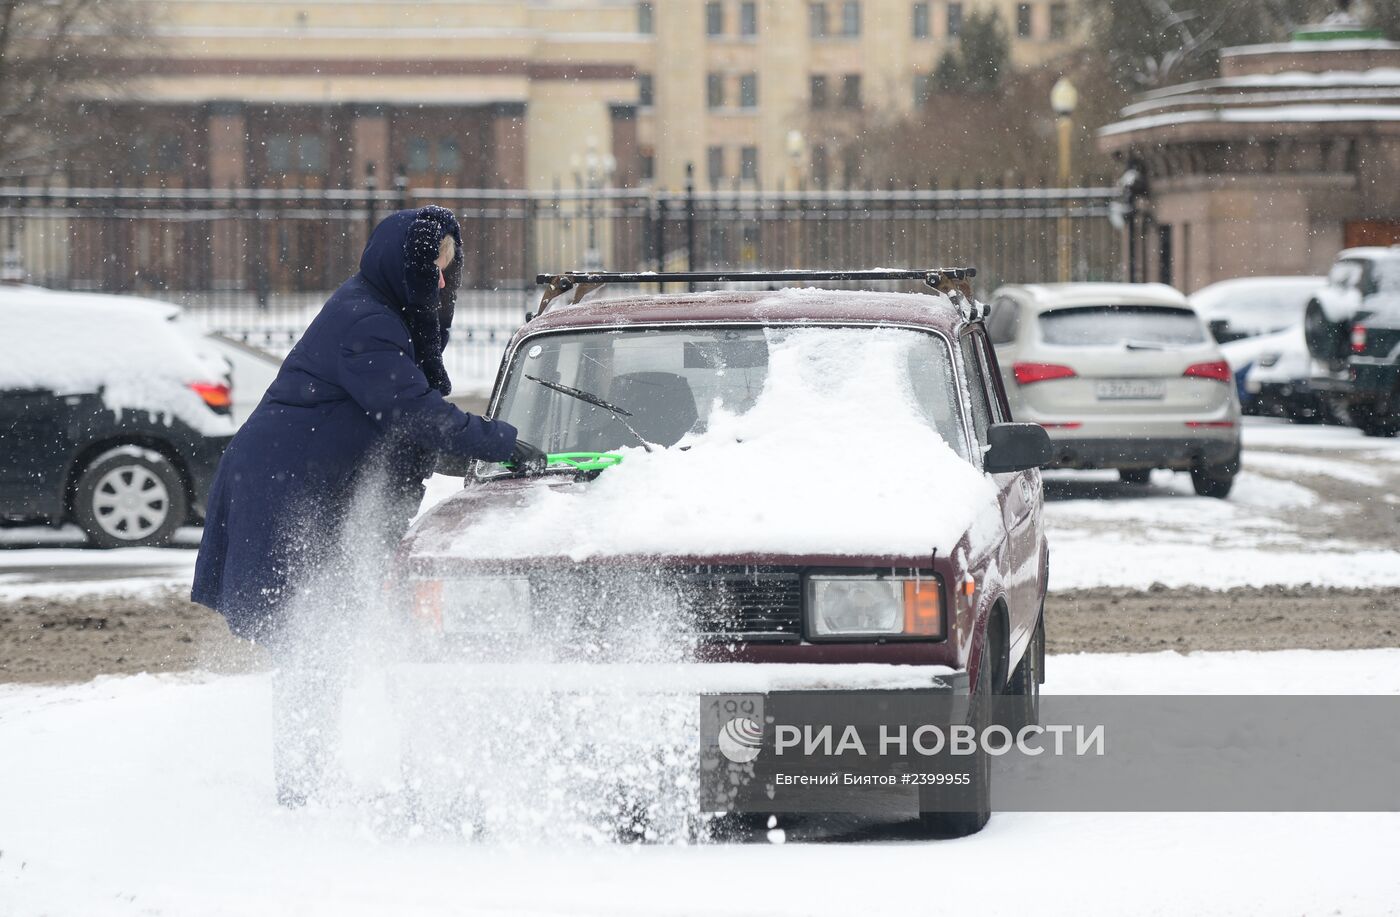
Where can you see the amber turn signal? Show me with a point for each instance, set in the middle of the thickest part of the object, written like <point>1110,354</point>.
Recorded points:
<point>923,608</point>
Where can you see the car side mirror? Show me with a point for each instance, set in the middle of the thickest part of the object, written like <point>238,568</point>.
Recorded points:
<point>1016,447</point>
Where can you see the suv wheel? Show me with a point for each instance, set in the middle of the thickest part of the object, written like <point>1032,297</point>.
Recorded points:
<point>978,799</point>
<point>1024,687</point>
<point>1371,423</point>
<point>129,497</point>
<point>1136,476</point>
<point>1212,480</point>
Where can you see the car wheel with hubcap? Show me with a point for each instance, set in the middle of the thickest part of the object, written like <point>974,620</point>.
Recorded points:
<point>129,497</point>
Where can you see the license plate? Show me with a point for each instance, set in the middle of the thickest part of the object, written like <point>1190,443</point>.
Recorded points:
<point>718,711</point>
<point>1130,390</point>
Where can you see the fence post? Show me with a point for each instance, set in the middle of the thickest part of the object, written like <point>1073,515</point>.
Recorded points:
<point>401,186</point>
<point>260,278</point>
<point>690,219</point>
<point>658,238</point>
<point>527,247</point>
<point>371,186</point>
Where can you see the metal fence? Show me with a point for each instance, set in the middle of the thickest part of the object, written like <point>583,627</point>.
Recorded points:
<point>256,263</point>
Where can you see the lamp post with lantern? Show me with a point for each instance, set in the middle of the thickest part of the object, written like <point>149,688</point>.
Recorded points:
<point>1064,98</point>
<point>593,173</point>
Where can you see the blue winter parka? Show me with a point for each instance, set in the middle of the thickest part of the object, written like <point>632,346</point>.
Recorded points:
<point>358,402</point>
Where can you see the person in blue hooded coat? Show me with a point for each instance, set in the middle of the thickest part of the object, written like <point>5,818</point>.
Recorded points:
<point>357,408</point>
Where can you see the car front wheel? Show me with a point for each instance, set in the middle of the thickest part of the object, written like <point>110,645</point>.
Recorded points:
<point>129,497</point>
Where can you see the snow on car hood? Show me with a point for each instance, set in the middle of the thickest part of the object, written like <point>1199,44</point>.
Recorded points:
<point>130,352</point>
<point>833,458</point>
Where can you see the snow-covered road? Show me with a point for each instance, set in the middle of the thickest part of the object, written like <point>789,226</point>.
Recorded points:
<point>152,796</point>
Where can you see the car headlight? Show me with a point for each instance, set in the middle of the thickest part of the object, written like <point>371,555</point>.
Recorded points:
<point>476,604</point>
<point>874,606</point>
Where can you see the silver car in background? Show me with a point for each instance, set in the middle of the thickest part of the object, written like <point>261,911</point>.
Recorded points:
<point>1122,376</point>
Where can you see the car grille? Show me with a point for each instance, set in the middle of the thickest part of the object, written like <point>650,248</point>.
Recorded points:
<point>754,604</point>
<point>710,603</point>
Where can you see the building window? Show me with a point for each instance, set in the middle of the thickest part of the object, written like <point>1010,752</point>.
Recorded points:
<point>416,154</point>
<point>311,153</point>
<point>748,163</point>
<point>714,18</point>
<point>816,20</point>
<point>646,19</point>
<point>850,166</point>
<point>714,161</point>
<point>1059,21</point>
<point>748,19</point>
<point>922,22</point>
<point>817,91</point>
<point>646,90</point>
<point>648,164</point>
<point>748,90</point>
<point>168,153</point>
<point>449,158</point>
<point>923,89</point>
<point>714,90</point>
<point>955,19</point>
<point>850,91</point>
<point>850,18</point>
<point>1023,20</point>
<point>820,168</point>
<point>279,153</point>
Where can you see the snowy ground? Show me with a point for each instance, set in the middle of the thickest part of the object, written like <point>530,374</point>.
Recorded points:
<point>152,796</point>
<point>1315,504</point>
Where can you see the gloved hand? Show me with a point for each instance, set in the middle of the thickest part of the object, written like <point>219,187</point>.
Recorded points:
<point>526,459</point>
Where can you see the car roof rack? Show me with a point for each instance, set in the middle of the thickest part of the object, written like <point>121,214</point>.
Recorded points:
<point>945,280</point>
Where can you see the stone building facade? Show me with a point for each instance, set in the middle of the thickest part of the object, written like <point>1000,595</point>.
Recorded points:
<point>1271,169</point>
<point>512,93</point>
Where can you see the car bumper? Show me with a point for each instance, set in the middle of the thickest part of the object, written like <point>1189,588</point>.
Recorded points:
<point>1146,452</point>
<point>1365,380</point>
<point>202,461</point>
<point>679,679</point>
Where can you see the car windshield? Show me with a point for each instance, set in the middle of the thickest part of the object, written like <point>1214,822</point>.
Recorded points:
<point>603,390</point>
<point>1109,326</point>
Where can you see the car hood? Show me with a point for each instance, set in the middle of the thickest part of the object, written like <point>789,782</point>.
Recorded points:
<point>653,508</point>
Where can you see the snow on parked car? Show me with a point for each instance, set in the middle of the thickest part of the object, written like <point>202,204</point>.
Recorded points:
<point>114,416</point>
<point>1251,306</point>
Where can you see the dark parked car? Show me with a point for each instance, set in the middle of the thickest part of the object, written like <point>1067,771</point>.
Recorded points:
<point>1353,329</point>
<point>112,416</point>
<point>812,476</point>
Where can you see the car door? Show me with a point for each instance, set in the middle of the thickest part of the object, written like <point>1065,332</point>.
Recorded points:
<point>34,446</point>
<point>1019,492</point>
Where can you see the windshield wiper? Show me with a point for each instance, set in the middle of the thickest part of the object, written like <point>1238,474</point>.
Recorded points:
<point>594,400</point>
<point>1144,345</point>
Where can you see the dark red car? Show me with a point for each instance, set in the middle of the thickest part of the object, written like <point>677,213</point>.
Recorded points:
<point>821,479</point>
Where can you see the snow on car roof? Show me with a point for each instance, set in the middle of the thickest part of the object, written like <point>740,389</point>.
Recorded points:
<point>126,350</point>
<point>24,295</point>
<point>1255,288</point>
<point>1370,251</point>
<point>1057,295</point>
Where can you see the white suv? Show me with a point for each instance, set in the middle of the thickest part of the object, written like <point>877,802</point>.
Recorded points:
<point>1122,376</point>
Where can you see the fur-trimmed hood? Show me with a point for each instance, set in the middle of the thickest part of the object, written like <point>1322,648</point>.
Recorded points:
<point>399,263</point>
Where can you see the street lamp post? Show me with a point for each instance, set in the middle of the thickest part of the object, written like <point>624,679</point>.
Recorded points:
<point>1064,98</point>
<point>593,173</point>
